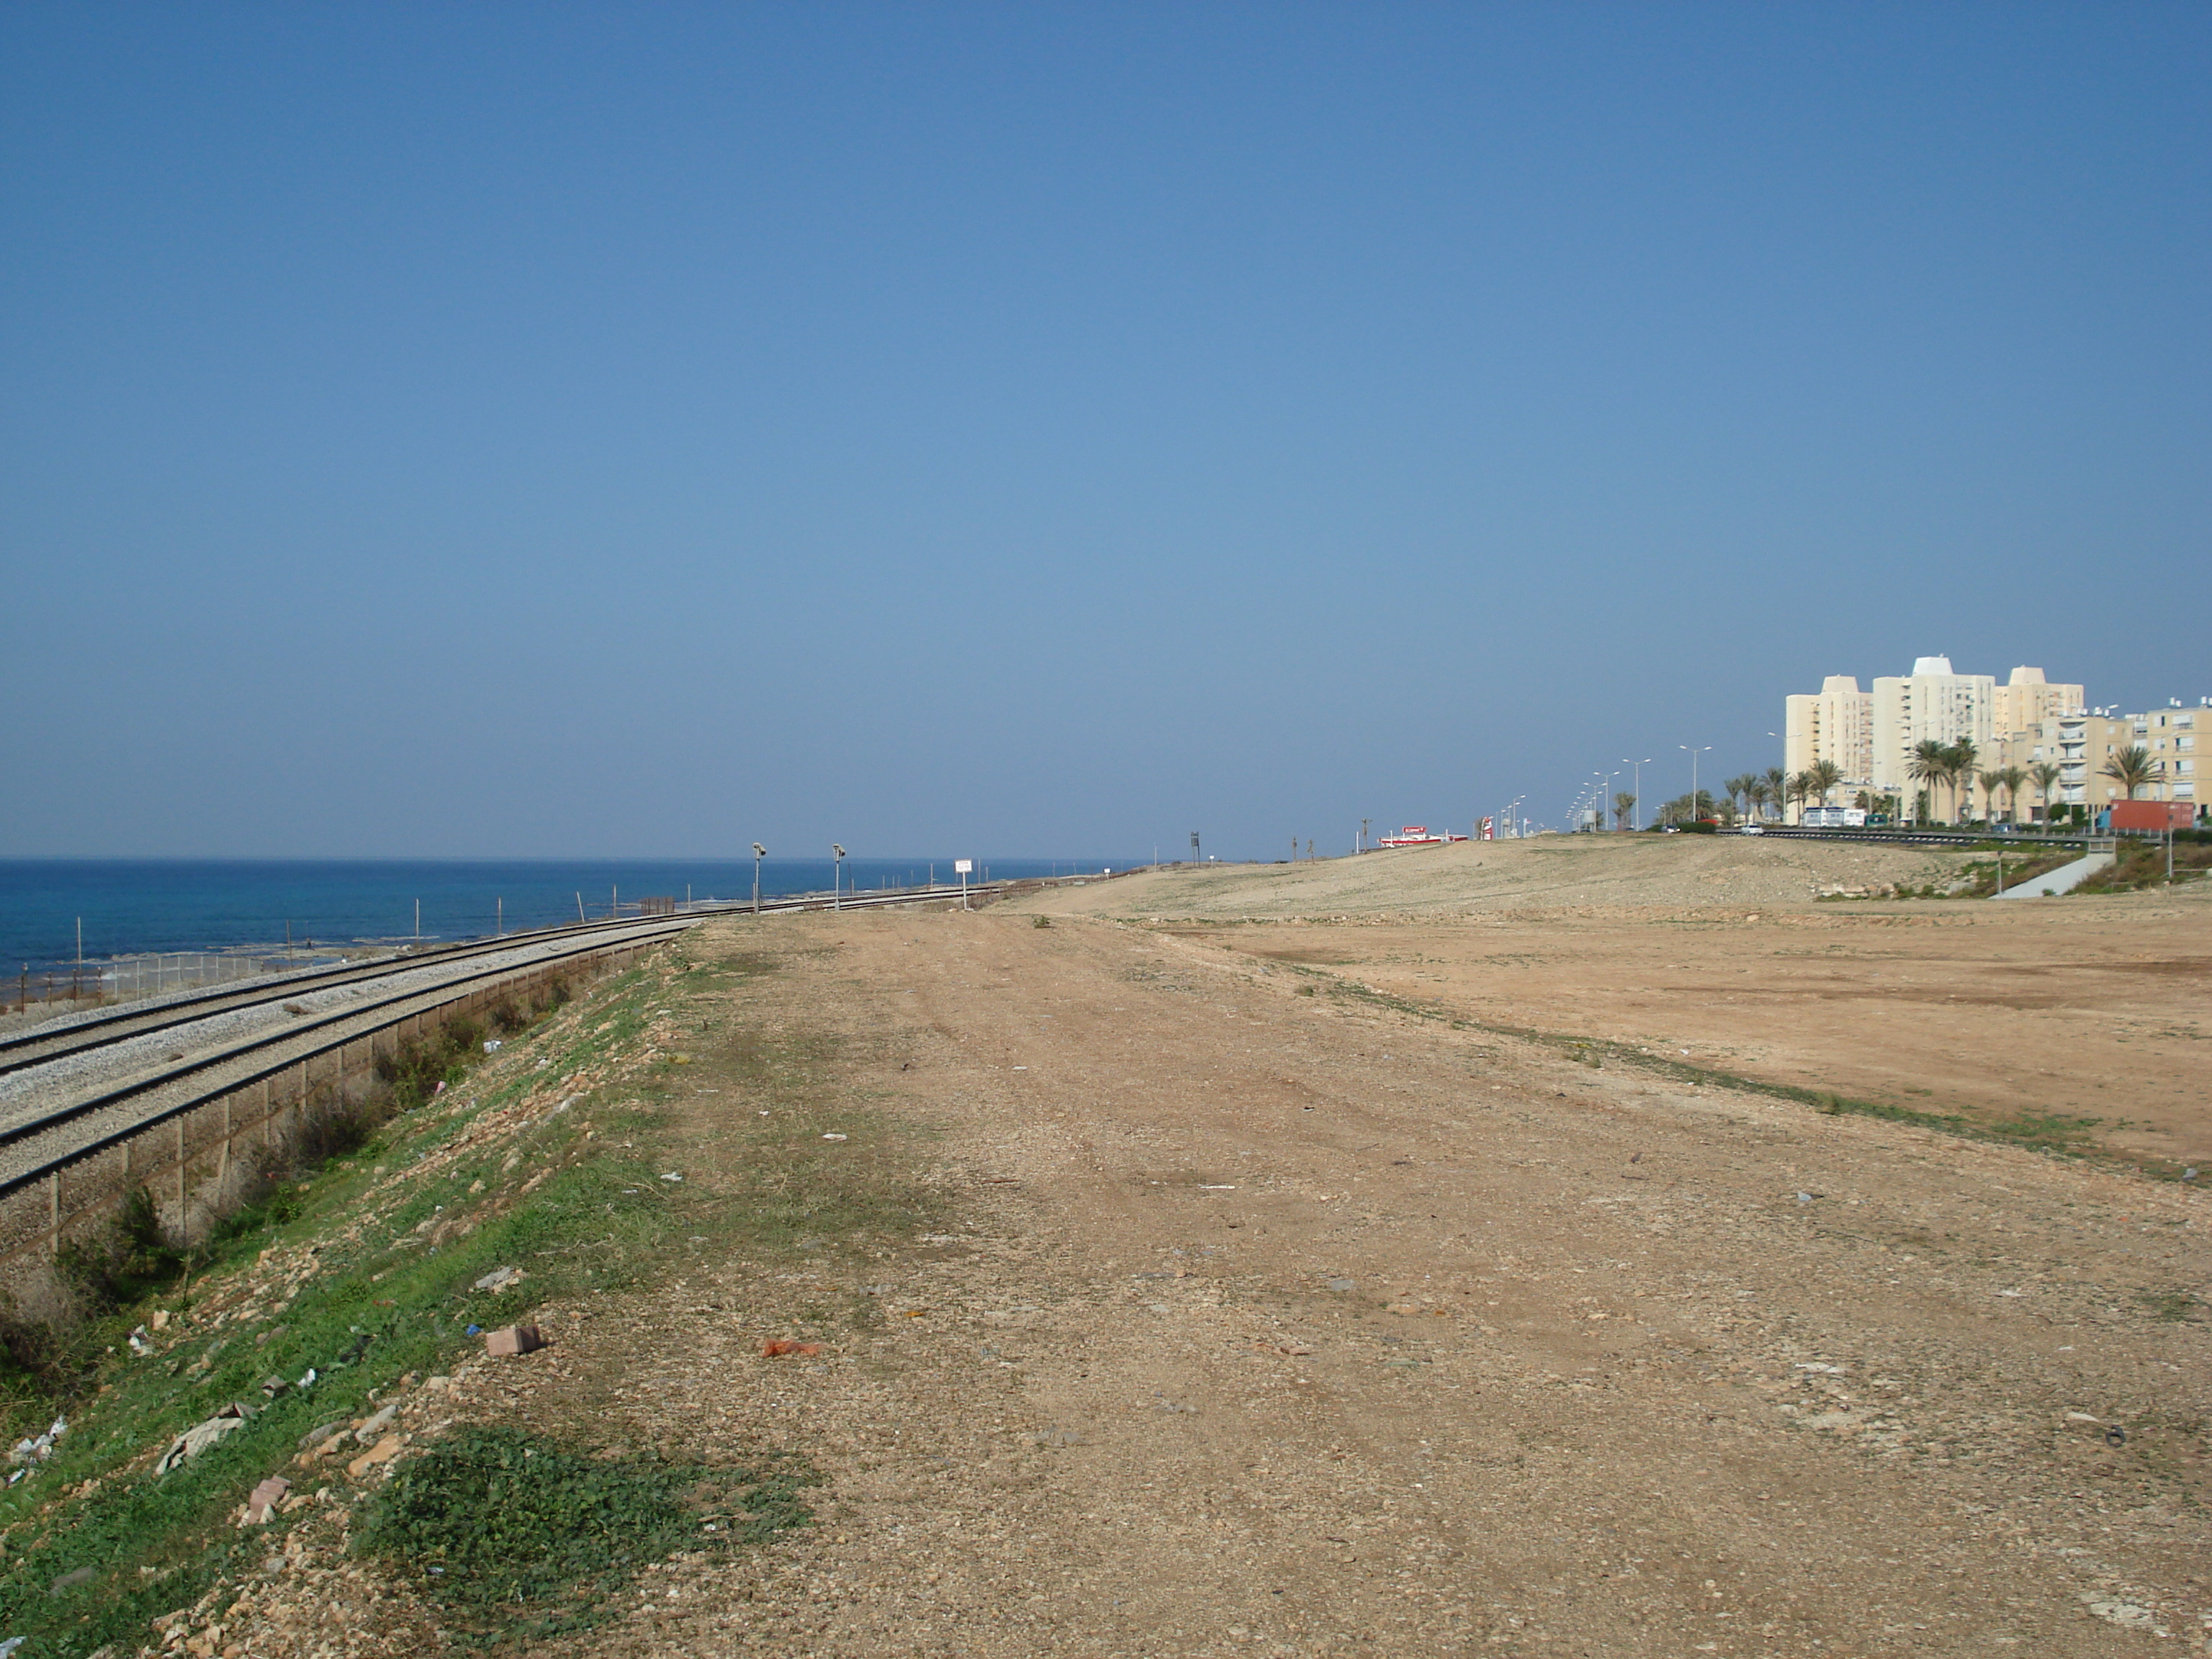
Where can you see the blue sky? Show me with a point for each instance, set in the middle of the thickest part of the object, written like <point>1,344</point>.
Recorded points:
<point>633,430</point>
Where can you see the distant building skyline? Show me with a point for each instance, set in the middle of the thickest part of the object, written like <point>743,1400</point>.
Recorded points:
<point>1871,736</point>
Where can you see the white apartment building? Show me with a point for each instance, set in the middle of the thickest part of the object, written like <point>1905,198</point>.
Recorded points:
<point>2025,702</point>
<point>1870,735</point>
<point>1835,723</point>
<point>1932,701</point>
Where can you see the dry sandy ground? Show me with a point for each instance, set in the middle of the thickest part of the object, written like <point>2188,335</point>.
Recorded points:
<point>1263,1322</point>
<point>1248,1320</point>
<point>2092,1008</point>
<point>1546,873</point>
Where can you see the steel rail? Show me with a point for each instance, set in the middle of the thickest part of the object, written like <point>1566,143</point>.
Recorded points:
<point>222,1075</point>
<point>210,1076</point>
<point>43,1044</point>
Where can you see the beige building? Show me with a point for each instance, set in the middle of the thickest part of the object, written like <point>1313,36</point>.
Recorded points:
<point>2080,744</point>
<point>1835,723</point>
<point>2023,703</point>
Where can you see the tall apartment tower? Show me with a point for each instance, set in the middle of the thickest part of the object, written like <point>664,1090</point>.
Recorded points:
<point>2025,702</point>
<point>1932,701</point>
<point>1835,723</point>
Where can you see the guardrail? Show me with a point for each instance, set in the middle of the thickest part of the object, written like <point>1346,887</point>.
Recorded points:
<point>1935,837</point>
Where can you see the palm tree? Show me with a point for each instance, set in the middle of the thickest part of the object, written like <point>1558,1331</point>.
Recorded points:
<point>1801,786</point>
<point>1623,804</point>
<point>1961,755</point>
<point>1738,787</point>
<point>1757,792</point>
<point>1930,764</point>
<point>1826,776</point>
<point>2044,774</point>
<point>1992,780</point>
<point>2012,777</point>
<point>2131,769</point>
<point>1778,787</point>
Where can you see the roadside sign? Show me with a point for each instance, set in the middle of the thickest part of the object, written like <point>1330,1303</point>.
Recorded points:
<point>962,866</point>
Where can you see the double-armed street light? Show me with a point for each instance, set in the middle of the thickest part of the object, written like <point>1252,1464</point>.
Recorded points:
<point>759,853</point>
<point>1638,785</point>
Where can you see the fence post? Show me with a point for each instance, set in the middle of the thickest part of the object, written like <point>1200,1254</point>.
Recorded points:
<point>183,1221</point>
<point>54,1216</point>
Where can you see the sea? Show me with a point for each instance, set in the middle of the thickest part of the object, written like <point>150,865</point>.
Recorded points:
<point>129,907</point>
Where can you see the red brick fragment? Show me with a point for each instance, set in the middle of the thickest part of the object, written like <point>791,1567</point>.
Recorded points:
<point>516,1339</point>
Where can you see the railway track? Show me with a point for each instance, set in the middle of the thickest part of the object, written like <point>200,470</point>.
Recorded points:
<point>79,1088</point>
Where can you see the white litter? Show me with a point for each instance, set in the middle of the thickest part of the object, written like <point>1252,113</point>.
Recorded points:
<point>833,1137</point>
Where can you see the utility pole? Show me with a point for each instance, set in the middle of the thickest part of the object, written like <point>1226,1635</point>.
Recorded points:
<point>760,853</point>
<point>1194,847</point>
<point>1638,785</point>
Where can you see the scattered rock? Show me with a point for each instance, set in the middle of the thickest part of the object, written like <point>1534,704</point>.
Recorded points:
<point>262,1504</point>
<point>381,1453</point>
<point>376,1426</point>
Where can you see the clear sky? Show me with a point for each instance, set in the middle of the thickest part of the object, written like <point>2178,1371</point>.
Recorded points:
<point>533,430</point>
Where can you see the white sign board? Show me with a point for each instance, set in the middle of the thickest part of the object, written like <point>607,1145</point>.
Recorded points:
<point>963,866</point>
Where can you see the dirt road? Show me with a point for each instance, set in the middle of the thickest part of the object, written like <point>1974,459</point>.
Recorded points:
<point>1244,1320</point>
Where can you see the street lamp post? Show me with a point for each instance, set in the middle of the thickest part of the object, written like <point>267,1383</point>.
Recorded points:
<point>759,853</point>
<point>837,878</point>
<point>1694,753</point>
<point>1638,785</point>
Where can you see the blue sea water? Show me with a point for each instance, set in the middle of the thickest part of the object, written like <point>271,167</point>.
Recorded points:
<point>129,906</point>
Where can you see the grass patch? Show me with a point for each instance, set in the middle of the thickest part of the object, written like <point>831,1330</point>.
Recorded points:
<point>2169,1307</point>
<point>520,1539</point>
<point>2141,864</point>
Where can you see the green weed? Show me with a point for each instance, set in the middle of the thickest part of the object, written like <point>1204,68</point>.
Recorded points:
<point>521,1539</point>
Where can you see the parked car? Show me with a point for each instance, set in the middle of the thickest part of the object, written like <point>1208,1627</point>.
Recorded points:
<point>1752,829</point>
